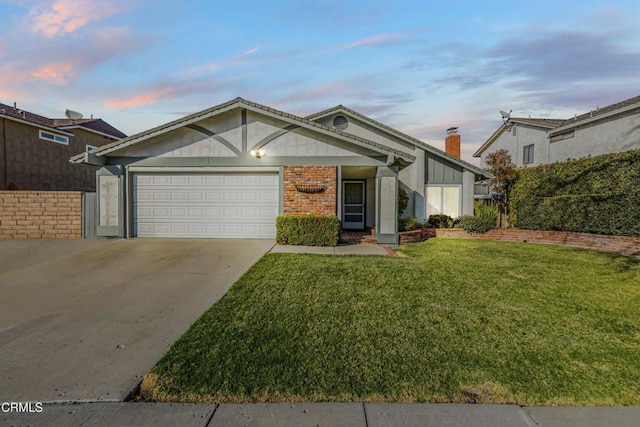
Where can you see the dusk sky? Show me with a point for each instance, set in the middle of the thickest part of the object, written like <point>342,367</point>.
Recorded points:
<point>418,66</point>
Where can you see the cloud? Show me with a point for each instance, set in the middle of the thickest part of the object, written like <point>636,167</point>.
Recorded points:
<point>59,73</point>
<point>61,63</point>
<point>377,40</point>
<point>66,16</point>
<point>167,90</point>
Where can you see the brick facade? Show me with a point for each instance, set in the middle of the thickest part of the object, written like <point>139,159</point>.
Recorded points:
<point>623,245</point>
<point>40,214</point>
<point>298,179</point>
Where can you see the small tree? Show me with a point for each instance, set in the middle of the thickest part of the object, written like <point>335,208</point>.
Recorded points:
<point>504,175</point>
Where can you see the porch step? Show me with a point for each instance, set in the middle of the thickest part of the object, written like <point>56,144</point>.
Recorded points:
<point>358,238</point>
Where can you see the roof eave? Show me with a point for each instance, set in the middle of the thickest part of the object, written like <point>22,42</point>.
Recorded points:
<point>596,118</point>
<point>407,138</point>
<point>39,126</point>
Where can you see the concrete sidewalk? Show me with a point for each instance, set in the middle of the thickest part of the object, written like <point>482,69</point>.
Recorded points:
<point>338,250</point>
<point>320,414</point>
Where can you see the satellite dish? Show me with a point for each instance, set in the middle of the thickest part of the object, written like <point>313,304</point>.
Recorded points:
<point>72,115</point>
<point>505,115</point>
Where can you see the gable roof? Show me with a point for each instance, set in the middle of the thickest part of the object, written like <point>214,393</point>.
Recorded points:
<point>59,125</point>
<point>553,126</point>
<point>403,136</point>
<point>231,105</point>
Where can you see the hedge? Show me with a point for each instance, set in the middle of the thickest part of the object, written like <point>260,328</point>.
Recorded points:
<point>308,230</point>
<point>593,195</point>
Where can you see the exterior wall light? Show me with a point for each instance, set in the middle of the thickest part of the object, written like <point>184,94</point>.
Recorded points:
<point>258,153</point>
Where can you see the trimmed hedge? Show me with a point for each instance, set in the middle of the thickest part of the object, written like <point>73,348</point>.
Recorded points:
<point>593,195</point>
<point>308,230</point>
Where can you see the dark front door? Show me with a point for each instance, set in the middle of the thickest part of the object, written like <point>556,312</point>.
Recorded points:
<point>353,205</point>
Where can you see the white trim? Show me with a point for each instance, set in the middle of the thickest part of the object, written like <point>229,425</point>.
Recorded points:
<point>460,198</point>
<point>168,169</point>
<point>54,134</point>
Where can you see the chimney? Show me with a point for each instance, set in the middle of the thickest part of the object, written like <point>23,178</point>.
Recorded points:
<point>452,142</point>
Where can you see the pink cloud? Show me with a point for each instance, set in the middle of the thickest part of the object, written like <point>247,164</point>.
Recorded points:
<point>140,99</point>
<point>66,16</point>
<point>59,73</point>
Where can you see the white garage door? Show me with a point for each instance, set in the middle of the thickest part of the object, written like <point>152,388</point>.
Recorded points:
<point>205,205</point>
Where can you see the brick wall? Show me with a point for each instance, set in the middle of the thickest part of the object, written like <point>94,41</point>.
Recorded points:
<point>297,202</point>
<point>615,244</point>
<point>40,214</point>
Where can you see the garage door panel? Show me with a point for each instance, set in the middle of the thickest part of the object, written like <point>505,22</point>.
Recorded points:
<point>218,205</point>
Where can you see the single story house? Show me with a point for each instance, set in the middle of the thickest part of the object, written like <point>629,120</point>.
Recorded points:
<point>538,141</point>
<point>230,170</point>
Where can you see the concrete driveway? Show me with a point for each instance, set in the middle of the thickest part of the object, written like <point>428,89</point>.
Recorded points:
<point>84,320</point>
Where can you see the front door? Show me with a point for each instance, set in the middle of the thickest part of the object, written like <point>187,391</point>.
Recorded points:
<point>353,205</point>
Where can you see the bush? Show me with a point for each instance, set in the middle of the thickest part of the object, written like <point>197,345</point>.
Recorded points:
<point>591,195</point>
<point>308,230</point>
<point>408,223</point>
<point>473,224</point>
<point>403,201</point>
<point>440,221</point>
<point>487,212</point>
<point>485,218</point>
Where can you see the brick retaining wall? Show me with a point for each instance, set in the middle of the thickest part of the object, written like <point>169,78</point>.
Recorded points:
<point>40,214</point>
<point>623,245</point>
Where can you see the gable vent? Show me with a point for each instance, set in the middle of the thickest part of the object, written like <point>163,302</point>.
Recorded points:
<point>340,122</point>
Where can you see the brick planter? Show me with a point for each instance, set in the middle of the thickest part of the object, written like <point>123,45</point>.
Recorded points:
<point>623,245</point>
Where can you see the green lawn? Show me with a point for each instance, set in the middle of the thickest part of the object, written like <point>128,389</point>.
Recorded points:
<point>520,323</point>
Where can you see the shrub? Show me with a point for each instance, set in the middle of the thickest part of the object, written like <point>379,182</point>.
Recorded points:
<point>403,201</point>
<point>408,223</point>
<point>440,221</point>
<point>308,230</point>
<point>487,212</point>
<point>591,195</point>
<point>485,218</point>
<point>473,224</point>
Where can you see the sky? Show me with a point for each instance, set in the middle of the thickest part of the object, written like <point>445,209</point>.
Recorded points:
<point>418,66</point>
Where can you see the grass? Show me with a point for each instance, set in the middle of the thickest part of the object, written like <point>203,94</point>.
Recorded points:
<point>503,322</point>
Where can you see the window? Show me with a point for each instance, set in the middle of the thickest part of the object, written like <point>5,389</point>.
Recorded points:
<point>90,147</point>
<point>527,155</point>
<point>340,122</point>
<point>54,137</point>
<point>562,136</point>
<point>443,199</point>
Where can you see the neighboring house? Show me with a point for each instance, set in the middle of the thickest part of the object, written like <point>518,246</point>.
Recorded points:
<point>532,142</point>
<point>35,150</point>
<point>230,170</point>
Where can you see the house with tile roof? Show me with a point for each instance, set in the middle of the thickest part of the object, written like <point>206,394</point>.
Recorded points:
<point>230,170</point>
<point>533,141</point>
<point>35,150</point>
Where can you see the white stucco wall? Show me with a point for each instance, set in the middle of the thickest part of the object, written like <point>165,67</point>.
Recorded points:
<point>605,137</point>
<point>524,135</point>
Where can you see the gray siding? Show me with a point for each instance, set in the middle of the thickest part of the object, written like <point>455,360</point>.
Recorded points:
<point>442,171</point>
<point>615,135</point>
